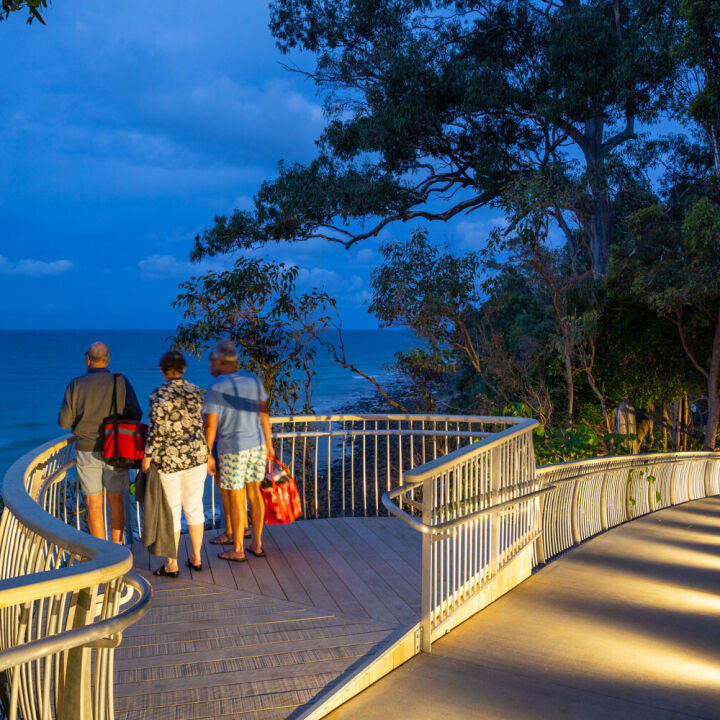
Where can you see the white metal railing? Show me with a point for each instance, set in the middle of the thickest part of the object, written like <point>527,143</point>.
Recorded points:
<point>589,496</point>
<point>479,507</point>
<point>65,596</point>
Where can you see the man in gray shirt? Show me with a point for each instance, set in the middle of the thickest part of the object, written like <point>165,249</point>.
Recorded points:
<point>87,402</point>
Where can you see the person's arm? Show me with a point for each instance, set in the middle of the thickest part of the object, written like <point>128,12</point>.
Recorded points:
<point>132,406</point>
<point>267,430</point>
<point>210,422</point>
<point>66,416</point>
<point>152,439</point>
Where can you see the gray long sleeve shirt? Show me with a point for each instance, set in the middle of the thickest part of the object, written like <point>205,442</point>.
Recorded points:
<point>88,401</point>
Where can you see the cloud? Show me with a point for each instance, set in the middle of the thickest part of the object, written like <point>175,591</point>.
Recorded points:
<point>33,268</point>
<point>365,256</point>
<point>474,235</point>
<point>164,267</point>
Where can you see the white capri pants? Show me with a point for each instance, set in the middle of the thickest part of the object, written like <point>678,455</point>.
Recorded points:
<point>184,488</point>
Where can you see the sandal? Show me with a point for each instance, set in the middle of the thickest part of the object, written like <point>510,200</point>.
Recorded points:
<point>259,553</point>
<point>196,568</point>
<point>218,540</point>
<point>162,572</point>
<point>227,556</point>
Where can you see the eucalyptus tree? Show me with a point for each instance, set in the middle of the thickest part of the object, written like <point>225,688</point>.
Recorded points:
<point>34,8</point>
<point>437,108</point>
<point>256,305</point>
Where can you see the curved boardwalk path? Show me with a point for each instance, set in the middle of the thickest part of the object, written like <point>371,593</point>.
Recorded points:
<point>264,639</point>
<point>626,626</point>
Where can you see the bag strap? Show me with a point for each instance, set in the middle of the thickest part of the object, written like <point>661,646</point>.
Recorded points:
<point>113,407</point>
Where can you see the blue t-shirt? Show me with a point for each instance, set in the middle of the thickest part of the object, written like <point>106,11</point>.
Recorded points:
<point>236,400</point>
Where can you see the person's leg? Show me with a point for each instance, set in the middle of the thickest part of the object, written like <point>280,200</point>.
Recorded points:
<point>95,519</point>
<point>254,473</point>
<point>237,500</point>
<point>171,483</point>
<point>257,512</point>
<point>89,468</point>
<point>192,484</point>
<point>116,483</point>
<point>225,500</point>
<point>116,501</point>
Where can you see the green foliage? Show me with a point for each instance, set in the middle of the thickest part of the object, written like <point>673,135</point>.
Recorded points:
<point>35,8</point>
<point>477,104</point>
<point>256,305</point>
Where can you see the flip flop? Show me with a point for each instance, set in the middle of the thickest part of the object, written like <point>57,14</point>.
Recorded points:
<point>196,568</point>
<point>162,572</point>
<point>218,541</point>
<point>230,558</point>
<point>256,554</point>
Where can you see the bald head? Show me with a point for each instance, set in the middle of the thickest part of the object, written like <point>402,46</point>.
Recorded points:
<point>97,355</point>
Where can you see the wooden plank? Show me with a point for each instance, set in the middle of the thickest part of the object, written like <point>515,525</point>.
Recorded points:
<point>381,540</point>
<point>264,577</point>
<point>219,569</point>
<point>371,603</point>
<point>141,557</point>
<point>382,591</point>
<point>382,557</point>
<point>263,645</point>
<point>283,674</point>
<point>209,693</point>
<point>318,631</point>
<point>284,573</point>
<point>406,539</point>
<point>331,581</point>
<point>319,596</point>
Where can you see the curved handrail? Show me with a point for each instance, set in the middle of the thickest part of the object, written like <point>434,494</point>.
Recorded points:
<point>106,561</point>
<point>86,635</point>
<point>444,527</point>
<point>60,597</point>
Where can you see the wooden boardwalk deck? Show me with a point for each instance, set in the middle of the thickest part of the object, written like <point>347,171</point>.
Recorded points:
<point>263,639</point>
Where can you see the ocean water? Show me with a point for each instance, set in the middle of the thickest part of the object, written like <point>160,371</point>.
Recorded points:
<point>36,365</point>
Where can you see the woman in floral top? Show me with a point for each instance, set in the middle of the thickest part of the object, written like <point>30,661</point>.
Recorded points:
<point>176,444</point>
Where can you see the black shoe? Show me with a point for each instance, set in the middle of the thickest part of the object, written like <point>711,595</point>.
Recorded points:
<point>162,572</point>
<point>196,568</point>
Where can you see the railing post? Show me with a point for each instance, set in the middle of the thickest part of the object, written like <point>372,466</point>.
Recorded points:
<point>427,564</point>
<point>74,702</point>
<point>603,502</point>
<point>574,520</point>
<point>690,480</point>
<point>672,483</point>
<point>494,517</point>
<point>651,492</point>
<point>539,543</point>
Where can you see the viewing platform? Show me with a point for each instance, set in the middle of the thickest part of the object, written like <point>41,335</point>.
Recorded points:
<point>412,525</point>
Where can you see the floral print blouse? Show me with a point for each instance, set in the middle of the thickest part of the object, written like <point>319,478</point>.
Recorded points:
<point>176,440</point>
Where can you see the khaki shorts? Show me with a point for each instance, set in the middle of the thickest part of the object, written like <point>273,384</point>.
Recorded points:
<point>95,474</point>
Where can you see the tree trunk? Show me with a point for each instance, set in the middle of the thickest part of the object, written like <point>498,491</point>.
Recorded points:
<point>569,380</point>
<point>712,391</point>
<point>681,423</point>
<point>600,215</point>
<point>645,428</point>
<point>626,423</point>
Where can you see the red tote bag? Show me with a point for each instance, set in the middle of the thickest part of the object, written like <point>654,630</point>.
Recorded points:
<point>280,495</point>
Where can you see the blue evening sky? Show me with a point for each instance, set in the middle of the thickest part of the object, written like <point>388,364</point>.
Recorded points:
<point>126,128</point>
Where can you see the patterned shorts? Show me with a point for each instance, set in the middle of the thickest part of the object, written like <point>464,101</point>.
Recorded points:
<point>246,466</point>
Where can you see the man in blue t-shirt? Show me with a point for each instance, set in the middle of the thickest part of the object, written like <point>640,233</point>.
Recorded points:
<point>238,425</point>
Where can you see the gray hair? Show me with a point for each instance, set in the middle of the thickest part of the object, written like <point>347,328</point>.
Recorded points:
<point>226,353</point>
<point>99,353</point>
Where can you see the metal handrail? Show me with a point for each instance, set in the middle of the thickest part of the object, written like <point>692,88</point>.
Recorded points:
<point>84,636</point>
<point>444,527</point>
<point>56,580</point>
<point>106,561</point>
